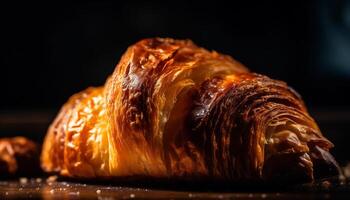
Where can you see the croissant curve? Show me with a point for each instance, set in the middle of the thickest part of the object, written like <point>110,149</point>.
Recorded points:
<point>174,110</point>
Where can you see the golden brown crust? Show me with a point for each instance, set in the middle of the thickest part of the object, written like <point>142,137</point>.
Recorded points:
<point>73,138</point>
<point>175,110</point>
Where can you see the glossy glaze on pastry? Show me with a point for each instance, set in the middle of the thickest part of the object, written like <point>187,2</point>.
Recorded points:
<point>174,110</point>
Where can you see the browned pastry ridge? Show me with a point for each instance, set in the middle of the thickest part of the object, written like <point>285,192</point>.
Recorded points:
<point>18,156</point>
<point>174,110</point>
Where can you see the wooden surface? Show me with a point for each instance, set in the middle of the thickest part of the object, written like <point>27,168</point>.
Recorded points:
<point>39,188</point>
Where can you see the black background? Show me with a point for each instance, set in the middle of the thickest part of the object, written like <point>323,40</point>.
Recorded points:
<point>50,51</point>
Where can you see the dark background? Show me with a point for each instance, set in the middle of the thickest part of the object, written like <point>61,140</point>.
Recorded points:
<point>51,51</point>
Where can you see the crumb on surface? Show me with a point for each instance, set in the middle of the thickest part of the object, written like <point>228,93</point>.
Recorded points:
<point>23,180</point>
<point>51,179</point>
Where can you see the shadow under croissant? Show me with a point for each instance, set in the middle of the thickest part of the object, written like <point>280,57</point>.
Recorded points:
<point>209,185</point>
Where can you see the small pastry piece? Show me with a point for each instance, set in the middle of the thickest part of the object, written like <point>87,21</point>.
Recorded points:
<point>19,156</point>
<point>174,110</point>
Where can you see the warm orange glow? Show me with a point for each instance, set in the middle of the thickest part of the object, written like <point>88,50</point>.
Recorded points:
<point>172,109</point>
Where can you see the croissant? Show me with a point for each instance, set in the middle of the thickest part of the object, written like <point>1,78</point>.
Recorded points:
<point>177,111</point>
<point>18,156</point>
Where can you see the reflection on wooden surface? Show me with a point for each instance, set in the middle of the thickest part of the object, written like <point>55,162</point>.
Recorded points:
<point>39,188</point>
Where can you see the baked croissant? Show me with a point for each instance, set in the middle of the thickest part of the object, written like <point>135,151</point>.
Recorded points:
<point>18,156</point>
<point>174,110</point>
